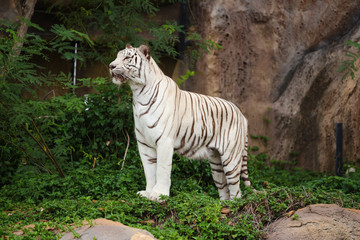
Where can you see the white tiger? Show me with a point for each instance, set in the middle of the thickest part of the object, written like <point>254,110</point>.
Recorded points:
<point>168,119</point>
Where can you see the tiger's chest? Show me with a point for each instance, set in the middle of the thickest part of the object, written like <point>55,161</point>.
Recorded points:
<point>154,113</point>
<point>153,124</point>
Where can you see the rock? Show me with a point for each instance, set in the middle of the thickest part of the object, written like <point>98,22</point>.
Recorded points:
<point>279,64</point>
<point>109,230</point>
<point>319,221</point>
<point>9,10</point>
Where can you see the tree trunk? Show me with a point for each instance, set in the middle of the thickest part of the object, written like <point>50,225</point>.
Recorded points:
<point>27,11</point>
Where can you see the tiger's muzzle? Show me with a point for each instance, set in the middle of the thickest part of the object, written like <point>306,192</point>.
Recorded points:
<point>117,75</point>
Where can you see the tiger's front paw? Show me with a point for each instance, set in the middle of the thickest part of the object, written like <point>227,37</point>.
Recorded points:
<point>155,196</point>
<point>144,194</point>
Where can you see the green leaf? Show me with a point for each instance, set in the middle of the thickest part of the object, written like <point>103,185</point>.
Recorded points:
<point>355,44</point>
<point>31,24</point>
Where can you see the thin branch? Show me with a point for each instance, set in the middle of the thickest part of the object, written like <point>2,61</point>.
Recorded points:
<point>52,91</point>
<point>46,151</point>
<point>39,165</point>
<point>119,97</point>
<point>127,147</point>
<point>49,152</point>
<point>94,162</point>
<point>42,166</point>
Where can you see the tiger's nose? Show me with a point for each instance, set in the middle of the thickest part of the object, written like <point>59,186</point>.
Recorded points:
<point>112,66</point>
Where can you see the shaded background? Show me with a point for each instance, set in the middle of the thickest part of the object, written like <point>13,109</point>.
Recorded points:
<point>278,64</point>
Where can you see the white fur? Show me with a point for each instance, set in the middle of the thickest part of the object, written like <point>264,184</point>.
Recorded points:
<point>169,120</point>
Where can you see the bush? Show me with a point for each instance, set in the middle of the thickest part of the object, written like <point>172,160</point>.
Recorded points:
<point>63,132</point>
<point>19,78</point>
<point>191,212</point>
<point>101,131</point>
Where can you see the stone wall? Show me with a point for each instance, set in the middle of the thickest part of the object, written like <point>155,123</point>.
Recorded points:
<point>279,63</point>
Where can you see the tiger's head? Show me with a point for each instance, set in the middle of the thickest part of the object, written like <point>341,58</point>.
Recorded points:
<point>129,63</point>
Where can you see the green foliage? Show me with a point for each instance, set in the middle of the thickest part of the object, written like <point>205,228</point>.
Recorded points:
<point>260,137</point>
<point>64,37</point>
<point>185,77</point>
<point>85,131</point>
<point>120,22</point>
<point>99,131</point>
<point>268,121</point>
<point>76,133</point>
<point>88,137</point>
<point>200,47</point>
<point>348,67</point>
<point>334,183</point>
<point>21,110</point>
<point>191,175</point>
<point>262,169</point>
<point>192,212</point>
<point>254,148</point>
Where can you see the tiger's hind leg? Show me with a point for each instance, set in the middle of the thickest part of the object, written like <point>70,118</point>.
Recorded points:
<point>232,167</point>
<point>219,177</point>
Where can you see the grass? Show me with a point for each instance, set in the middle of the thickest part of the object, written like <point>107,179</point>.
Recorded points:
<point>54,205</point>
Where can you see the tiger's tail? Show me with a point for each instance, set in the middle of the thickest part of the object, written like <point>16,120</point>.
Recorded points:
<point>244,171</point>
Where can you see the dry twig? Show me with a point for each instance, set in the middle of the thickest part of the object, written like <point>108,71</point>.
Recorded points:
<point>45,148</point>
<point>127,147</point>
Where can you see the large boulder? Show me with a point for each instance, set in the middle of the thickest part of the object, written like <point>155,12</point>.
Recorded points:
<point>106,229</point>
<point>317,222</point>
<point>279,64</point>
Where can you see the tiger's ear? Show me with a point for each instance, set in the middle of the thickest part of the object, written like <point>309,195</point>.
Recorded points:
<point>145,50</point>
<point>129,46</point>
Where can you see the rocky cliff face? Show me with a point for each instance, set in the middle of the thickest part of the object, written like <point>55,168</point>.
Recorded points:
<point>318,221</point>
<point>279,65</point>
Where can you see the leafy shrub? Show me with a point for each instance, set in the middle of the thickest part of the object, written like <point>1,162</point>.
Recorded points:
<point>262,170</point>
<point>96,184</point>
<point>191,175</point>
<point>187,214</point>
<point>120,22</point>
<point>63,132</point>
<point>335,183</point>
<point>348,66</point>
<point>102,130</point>
<point>19,78</point>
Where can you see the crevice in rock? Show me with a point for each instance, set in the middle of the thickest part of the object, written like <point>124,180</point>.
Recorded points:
<point>287,79</point>
<point>331,40</point>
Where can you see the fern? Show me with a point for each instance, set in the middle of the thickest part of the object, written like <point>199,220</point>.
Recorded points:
<point>348,66</point>
<point>120,22</point>
<point>70,34</point>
